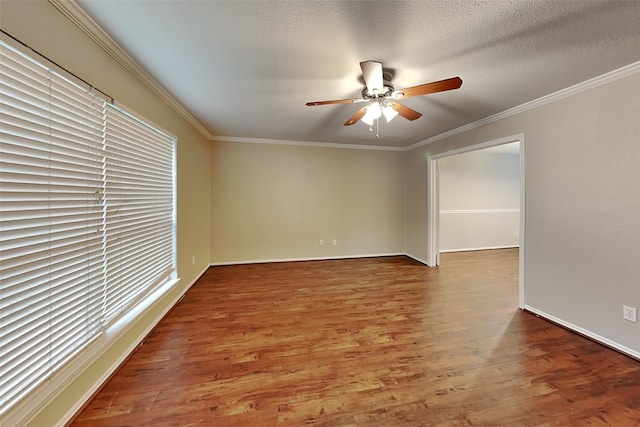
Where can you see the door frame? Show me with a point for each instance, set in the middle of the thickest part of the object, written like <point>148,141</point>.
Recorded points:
<point>433,202</point>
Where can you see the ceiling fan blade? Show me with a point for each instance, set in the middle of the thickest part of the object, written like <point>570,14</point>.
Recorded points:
<point>357,116</point>
<point>427,88</point>
<point>372,74</point>
<point>336,101</point>
<point>404,111</point>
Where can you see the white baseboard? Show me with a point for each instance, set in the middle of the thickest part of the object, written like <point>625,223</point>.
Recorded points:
<point>263,261</point>
<point>591,335</point>
<point>420,260</point>
<point>484,248</point>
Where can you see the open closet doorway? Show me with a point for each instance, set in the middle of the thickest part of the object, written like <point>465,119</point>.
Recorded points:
<point>444,226</point>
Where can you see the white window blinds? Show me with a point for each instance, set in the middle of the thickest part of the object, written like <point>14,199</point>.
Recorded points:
<point>139,210</point>
<point>86,219</point>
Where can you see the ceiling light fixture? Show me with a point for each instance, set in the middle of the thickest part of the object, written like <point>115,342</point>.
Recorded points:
<point>375,110</point>
<point>389,112</point>
<point>381,96</point>
<point>373,113</point>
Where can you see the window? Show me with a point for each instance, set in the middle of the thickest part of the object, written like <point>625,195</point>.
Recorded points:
<point>86,219</point>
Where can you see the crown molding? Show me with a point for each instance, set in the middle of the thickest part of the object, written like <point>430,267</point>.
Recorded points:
<point>75,14</point>
<point>305,143</point>
<point>595,82</point>
<point>71,10</point>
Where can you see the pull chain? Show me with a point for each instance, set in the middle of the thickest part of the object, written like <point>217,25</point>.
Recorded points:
<point>377,128</point>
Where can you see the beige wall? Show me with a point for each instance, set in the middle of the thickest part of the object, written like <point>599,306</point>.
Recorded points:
<point>275,202</point>
<point>46,30</point>
<point>582,237</point>
<point>416,204</point>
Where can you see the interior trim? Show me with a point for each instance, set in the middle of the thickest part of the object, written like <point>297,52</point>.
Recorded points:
<point>584,332</point>
<point>477,211</point>
<point>620,73</point>
<point>483,248</point>
<point>329,258</point>
<point>79,17</point>
<point>433,202</point>
<point>305,143</point>
<point>84,22</point>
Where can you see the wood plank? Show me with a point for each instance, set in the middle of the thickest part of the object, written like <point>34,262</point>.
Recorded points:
<point>360,342</point>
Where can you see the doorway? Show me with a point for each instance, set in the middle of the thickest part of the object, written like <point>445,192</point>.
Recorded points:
<point>433,197</point>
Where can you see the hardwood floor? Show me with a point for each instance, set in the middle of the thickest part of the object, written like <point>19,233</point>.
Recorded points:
<point>366,342</point>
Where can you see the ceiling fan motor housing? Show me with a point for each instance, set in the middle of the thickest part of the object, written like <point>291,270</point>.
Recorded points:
<point>386,91</point>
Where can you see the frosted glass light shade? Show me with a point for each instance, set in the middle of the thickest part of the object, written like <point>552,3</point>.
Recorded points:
<point>373,112</point>
<point>389,113</point>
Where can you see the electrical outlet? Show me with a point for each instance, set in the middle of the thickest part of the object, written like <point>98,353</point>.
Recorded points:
<point>321,242</point>
<point>629,313</point>
<point>193,259</point>
<point>335,242</point>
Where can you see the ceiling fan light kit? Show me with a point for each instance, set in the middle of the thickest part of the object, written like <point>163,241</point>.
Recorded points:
<point>381,96</point>
<point>373,113</point>
<point>389,113</point>
<point>377,109</point>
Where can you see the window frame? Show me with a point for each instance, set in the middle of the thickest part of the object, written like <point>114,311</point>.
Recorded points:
<point>110,328</point>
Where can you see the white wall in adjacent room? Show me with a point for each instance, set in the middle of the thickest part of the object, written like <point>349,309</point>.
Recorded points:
<point>480,199</point>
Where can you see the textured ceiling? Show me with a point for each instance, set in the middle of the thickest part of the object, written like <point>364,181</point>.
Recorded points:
<point>246,68</point>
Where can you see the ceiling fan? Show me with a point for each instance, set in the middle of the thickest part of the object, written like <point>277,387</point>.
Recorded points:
<point>381,97</point>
